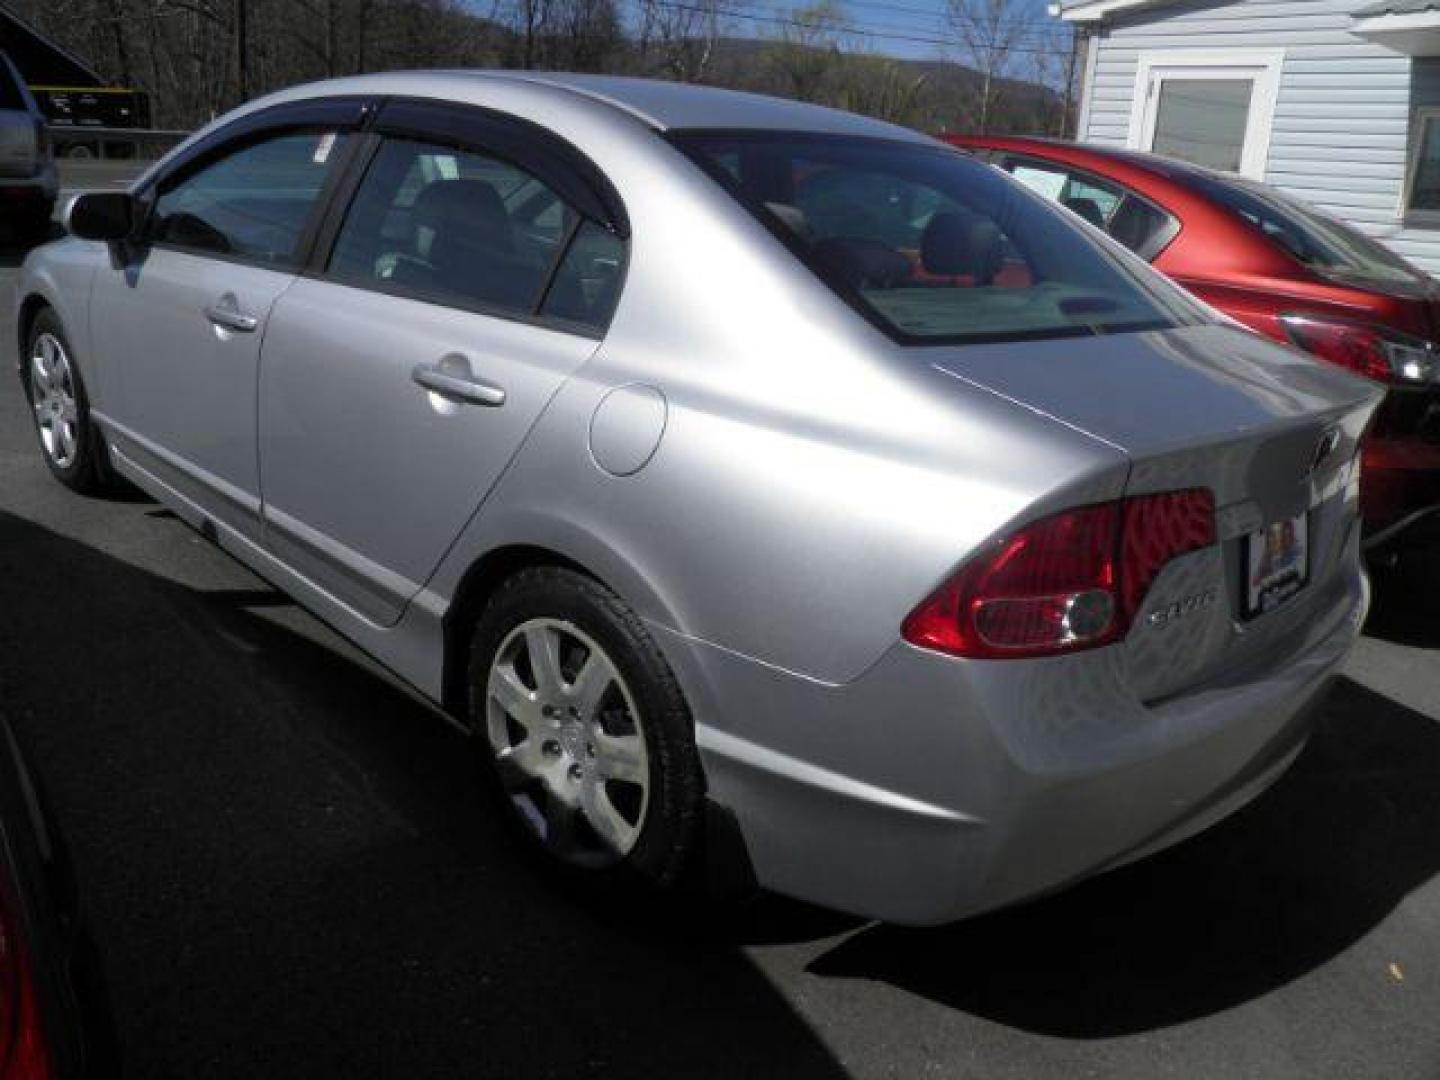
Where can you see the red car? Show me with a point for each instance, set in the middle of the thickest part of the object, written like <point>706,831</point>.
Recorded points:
<point>1288,271</point>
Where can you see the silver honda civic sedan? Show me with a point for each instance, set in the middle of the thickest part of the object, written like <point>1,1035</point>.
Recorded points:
<point>769,491</point>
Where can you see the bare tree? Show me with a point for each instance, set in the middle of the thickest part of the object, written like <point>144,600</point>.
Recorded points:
<point>808,49</point>
<point>197,58</point>
<point>989,33</point>
<point>882,87</point>
<point>677,38</point>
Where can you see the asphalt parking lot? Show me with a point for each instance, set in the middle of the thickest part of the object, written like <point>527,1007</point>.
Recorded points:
<point>287,872</point>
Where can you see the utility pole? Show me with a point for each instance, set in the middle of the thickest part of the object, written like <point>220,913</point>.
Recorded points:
<point>1075,41</point>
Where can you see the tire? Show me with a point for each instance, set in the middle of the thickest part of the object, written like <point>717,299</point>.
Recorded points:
<point>596,769</point>
<point>60,408</point>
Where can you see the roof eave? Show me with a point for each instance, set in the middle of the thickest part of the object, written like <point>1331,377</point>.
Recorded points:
<point>1094,11</point>
<point>1415,33</point>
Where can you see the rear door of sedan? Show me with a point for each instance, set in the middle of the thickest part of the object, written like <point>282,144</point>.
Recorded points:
<point>467,269</point>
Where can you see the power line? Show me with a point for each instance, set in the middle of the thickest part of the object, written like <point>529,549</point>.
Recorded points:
<point>884,34</point>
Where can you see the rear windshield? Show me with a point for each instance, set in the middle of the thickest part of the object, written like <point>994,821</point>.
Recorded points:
<point>1319,241</point>
<point>933,246</point>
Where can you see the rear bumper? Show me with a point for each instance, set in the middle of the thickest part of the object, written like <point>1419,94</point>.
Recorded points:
<point>921,793</point>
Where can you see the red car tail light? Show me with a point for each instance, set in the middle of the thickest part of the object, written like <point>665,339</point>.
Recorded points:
<point>1383,355</point>
<point>24,1054</point>
<point>1064,583</point>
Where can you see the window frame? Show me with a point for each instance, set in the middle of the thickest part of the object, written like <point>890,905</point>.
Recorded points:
<point>527,146</point>
<point>343,115</point>
<point>1260,67</point>
<point>1156,245</point>
<point>1420,219</point>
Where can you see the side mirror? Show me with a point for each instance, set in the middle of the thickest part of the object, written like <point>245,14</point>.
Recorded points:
<point>102,215</point>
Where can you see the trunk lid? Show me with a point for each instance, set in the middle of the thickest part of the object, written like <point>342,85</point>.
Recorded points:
<point>1272,433</point>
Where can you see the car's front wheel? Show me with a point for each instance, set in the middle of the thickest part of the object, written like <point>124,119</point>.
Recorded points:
<point>585,728</point>
<point>69,441</point>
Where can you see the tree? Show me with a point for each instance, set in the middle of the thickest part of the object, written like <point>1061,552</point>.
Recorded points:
<point>677,38</point>
<point>989,33</point>
<point>808,49</point>
<point>879,86</point>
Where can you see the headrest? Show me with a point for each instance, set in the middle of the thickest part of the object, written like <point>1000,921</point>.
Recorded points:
<point>1088,209</point>
<point>863,264</point>
<point>958,244</point>
<point>463,212</point>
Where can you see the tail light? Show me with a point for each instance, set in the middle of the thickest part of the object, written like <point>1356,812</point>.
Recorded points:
<point>42,141</point>
<point>24,1054</point>
<point>1380,354</point>
<point>1068,582</point>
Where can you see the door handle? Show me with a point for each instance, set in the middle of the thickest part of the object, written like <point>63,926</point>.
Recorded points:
<point>231,318</point>
<point>459,387</point>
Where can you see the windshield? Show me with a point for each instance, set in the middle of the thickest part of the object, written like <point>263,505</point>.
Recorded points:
<point>1315,239</point>
<point>931,245</point>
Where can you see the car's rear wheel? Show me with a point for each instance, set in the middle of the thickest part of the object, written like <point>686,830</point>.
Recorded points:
<point>586,731</point>
<point>69,441</point>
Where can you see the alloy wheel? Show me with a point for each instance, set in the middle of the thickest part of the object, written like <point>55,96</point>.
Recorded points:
<point>53,397</point>
<point>567,739</point>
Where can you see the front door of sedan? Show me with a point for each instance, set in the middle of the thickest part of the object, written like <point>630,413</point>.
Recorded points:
<point>400,375</point>
<point>180,314</point>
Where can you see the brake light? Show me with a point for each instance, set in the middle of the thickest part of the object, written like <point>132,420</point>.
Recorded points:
<point>42,140</point>
<point>1382,355</point>
<point>1068,582</point>
<point>24,1054</point>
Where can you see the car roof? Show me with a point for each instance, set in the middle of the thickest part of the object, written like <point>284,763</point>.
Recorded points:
<point>662,105</point>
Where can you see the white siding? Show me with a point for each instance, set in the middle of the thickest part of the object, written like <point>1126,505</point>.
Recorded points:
<point>1342,118</point>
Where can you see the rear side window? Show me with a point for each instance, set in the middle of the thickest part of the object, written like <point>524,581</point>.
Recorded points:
<point>252,203</point>
<point>1140,225</point>
<point>1319,241</point>
<point>934,246</point>
<point>587,283</point>
<point>469,230</point>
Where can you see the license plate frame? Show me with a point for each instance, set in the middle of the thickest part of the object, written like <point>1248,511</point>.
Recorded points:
<point>1275,560</point>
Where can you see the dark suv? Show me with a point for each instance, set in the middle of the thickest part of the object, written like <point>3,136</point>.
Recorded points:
<point>28,184</point>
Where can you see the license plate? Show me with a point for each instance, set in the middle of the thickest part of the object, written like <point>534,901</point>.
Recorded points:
<point>1277,561</point>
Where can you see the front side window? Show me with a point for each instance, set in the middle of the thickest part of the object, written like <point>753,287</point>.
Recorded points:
<point>469,230</point>
<point>252,203</point>
<point>934,246</point>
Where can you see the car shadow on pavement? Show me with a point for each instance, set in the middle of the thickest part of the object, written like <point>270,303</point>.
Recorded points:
<point>288,869</point>
<point>1279,889</point>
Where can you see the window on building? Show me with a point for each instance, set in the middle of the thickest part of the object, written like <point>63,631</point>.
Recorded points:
<point>1422,195</point>
<point>1209,107</point>
<point>1203,121</point>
